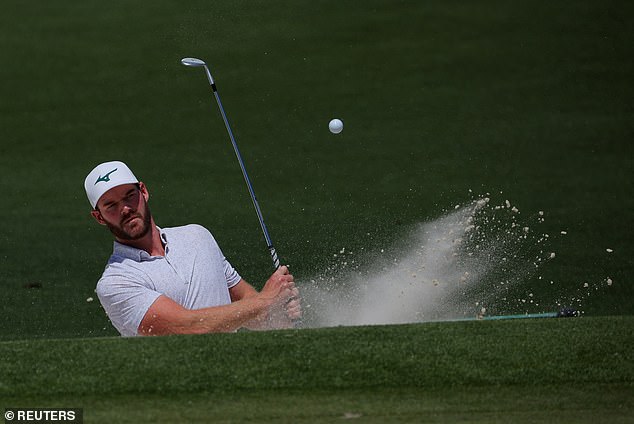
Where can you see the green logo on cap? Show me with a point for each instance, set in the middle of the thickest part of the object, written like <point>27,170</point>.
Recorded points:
<point>105,178</point>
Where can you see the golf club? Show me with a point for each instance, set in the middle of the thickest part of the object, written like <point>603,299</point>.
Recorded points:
<point>190,61</point>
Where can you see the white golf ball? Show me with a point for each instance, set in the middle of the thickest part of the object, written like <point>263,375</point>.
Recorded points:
<point>335,126</point>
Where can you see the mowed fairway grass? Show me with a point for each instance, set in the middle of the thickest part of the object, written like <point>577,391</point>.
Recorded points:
<point>443,102</point>
<point>577,370</point>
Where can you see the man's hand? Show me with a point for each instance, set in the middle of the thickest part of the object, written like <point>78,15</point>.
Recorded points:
<point>294,306</point>
<point>285,301</point>
<point>279,286</point>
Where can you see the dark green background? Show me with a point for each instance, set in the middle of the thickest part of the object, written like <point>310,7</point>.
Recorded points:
<point>530,98</point>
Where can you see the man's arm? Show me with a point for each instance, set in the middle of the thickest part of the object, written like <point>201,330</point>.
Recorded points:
<point>165,316</point>
<point>250,308</point>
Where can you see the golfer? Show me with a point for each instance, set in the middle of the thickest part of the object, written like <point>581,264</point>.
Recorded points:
<point>175,280</point>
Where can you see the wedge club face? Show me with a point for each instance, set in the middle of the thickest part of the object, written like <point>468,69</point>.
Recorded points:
<point>192,61</point>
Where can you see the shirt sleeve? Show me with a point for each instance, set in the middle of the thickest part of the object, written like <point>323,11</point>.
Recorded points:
<point>126,302</point>
<point>231,275</point>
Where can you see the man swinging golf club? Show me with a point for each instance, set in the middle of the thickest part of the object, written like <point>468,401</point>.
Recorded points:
<point>175,280</point>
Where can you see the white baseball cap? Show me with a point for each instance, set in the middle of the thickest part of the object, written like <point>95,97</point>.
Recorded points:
<point>106,176</point>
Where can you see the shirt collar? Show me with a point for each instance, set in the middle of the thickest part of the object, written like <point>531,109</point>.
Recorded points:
<point>138,255</point>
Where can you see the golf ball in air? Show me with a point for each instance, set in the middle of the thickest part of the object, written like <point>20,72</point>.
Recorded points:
<point>335,126</point>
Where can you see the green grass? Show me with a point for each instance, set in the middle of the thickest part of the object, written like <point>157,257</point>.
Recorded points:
<point>512,371</point>
<point>600,403</point>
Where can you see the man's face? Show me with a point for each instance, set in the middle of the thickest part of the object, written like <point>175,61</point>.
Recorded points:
<point>124,210</point>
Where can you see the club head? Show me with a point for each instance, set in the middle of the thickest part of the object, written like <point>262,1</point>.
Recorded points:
<point>192,61</point>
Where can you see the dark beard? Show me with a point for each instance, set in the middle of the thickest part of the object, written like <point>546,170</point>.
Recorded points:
<point>122,234</point>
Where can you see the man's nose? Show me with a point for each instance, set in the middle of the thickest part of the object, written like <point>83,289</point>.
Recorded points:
<point>126,208</point>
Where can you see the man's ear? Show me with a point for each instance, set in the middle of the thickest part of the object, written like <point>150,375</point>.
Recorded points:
<point>144,192</point>
<point>97,215</point>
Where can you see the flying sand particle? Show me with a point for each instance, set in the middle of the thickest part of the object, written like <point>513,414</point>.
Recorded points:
<point>439,251</point>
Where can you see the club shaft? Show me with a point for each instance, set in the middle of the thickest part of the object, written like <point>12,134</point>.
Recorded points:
<point>267,237</point>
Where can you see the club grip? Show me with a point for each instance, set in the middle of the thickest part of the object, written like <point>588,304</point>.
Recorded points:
<point>276,260</point>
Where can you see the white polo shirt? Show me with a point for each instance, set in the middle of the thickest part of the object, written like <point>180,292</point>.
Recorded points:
<point>194,273</point>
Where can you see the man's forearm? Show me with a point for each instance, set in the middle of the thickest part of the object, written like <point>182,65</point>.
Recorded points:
<point>167,317</point>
